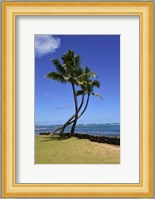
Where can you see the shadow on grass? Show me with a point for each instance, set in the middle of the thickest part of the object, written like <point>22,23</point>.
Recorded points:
<point>58,138</point>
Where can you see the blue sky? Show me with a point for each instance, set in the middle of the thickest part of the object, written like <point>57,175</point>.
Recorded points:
<point>54,102</point>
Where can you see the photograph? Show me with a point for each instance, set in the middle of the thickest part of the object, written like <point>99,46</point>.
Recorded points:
<point>77,99</point>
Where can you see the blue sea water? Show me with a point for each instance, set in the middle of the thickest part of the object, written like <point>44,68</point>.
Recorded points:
<point>110,129</point>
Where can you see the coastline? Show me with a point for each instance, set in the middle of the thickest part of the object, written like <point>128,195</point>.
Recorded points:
<point>107,129</point>
<point>114,140</point>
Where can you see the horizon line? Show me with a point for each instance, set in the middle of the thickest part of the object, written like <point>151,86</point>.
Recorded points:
<point>81,123</point>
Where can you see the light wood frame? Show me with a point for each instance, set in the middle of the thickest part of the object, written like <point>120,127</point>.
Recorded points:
<point>9,12</point>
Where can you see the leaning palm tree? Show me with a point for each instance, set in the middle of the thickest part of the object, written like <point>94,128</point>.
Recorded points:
<point>82,78</point>
<point>87,85</point>
<point>70,71</point>
<point>67,72</point>
<point>87,88</point>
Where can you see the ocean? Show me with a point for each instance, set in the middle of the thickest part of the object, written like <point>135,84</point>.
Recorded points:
<point>110,129</point>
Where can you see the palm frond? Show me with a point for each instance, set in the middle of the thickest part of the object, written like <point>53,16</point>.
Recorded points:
<point>68,69</point>
<point>97,94</point>
<point>68,57</point>
<point>89,72</point>
<point>93,74</point>
<point>87,69</point>
<point>79,92</point>
<point>79,71</point>
<point>77,61</point>
<point>89,87</point>
<point>76,81</point>
<point>82,76</point>
<point>96,83</point>
<point>56,76</point>
<point>60,69</point>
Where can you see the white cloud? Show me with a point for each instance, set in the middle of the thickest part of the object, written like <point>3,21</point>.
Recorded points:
<point>45,44</point>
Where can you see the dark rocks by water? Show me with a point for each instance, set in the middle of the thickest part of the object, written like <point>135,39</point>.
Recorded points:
<point>92,138</point>
<point>99,139</point>
<point>44,133</point>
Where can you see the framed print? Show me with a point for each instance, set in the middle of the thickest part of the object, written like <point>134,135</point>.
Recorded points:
<point>77,99</point>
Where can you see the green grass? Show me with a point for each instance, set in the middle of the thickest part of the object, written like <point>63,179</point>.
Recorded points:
<point>54,150</point>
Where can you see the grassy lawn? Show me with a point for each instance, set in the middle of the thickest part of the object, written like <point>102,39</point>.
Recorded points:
<point>54,150</point>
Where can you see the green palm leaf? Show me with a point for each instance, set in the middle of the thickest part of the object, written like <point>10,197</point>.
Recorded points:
<point>87,69</point>
<point>97,94</point>
<point>60,69</point>
<point>96,83</point>
<point>68,57</point>
<point>79,71</point>
<point>89,72</point>
<point>76,81</point>
<point>89,88</point>
<point>77,61</point>
<point>79,92</point>
<point>56,76</point>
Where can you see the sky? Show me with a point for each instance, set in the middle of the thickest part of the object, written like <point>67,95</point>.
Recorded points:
<point>54,102</point>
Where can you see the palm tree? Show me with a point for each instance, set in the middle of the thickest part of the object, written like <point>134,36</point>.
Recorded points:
<point>70,71</point>
<point>86,83</point>
<point>87,86</point>
<point>66,72</point>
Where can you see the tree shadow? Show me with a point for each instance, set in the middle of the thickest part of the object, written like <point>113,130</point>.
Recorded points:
<point>55,138</point>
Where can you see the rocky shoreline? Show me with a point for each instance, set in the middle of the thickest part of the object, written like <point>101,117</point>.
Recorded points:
<point>92,138</point>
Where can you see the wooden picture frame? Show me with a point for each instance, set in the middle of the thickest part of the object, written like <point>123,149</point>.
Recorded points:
<point>9,12</point>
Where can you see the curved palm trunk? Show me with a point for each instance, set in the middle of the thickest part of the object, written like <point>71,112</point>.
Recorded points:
<point>73,121</point>
<point>70,119</point>
<point>68,122</point>
<point>76,110</point>
<point>57,130</point>
<point>85,106</point>
<point>83,109</point>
